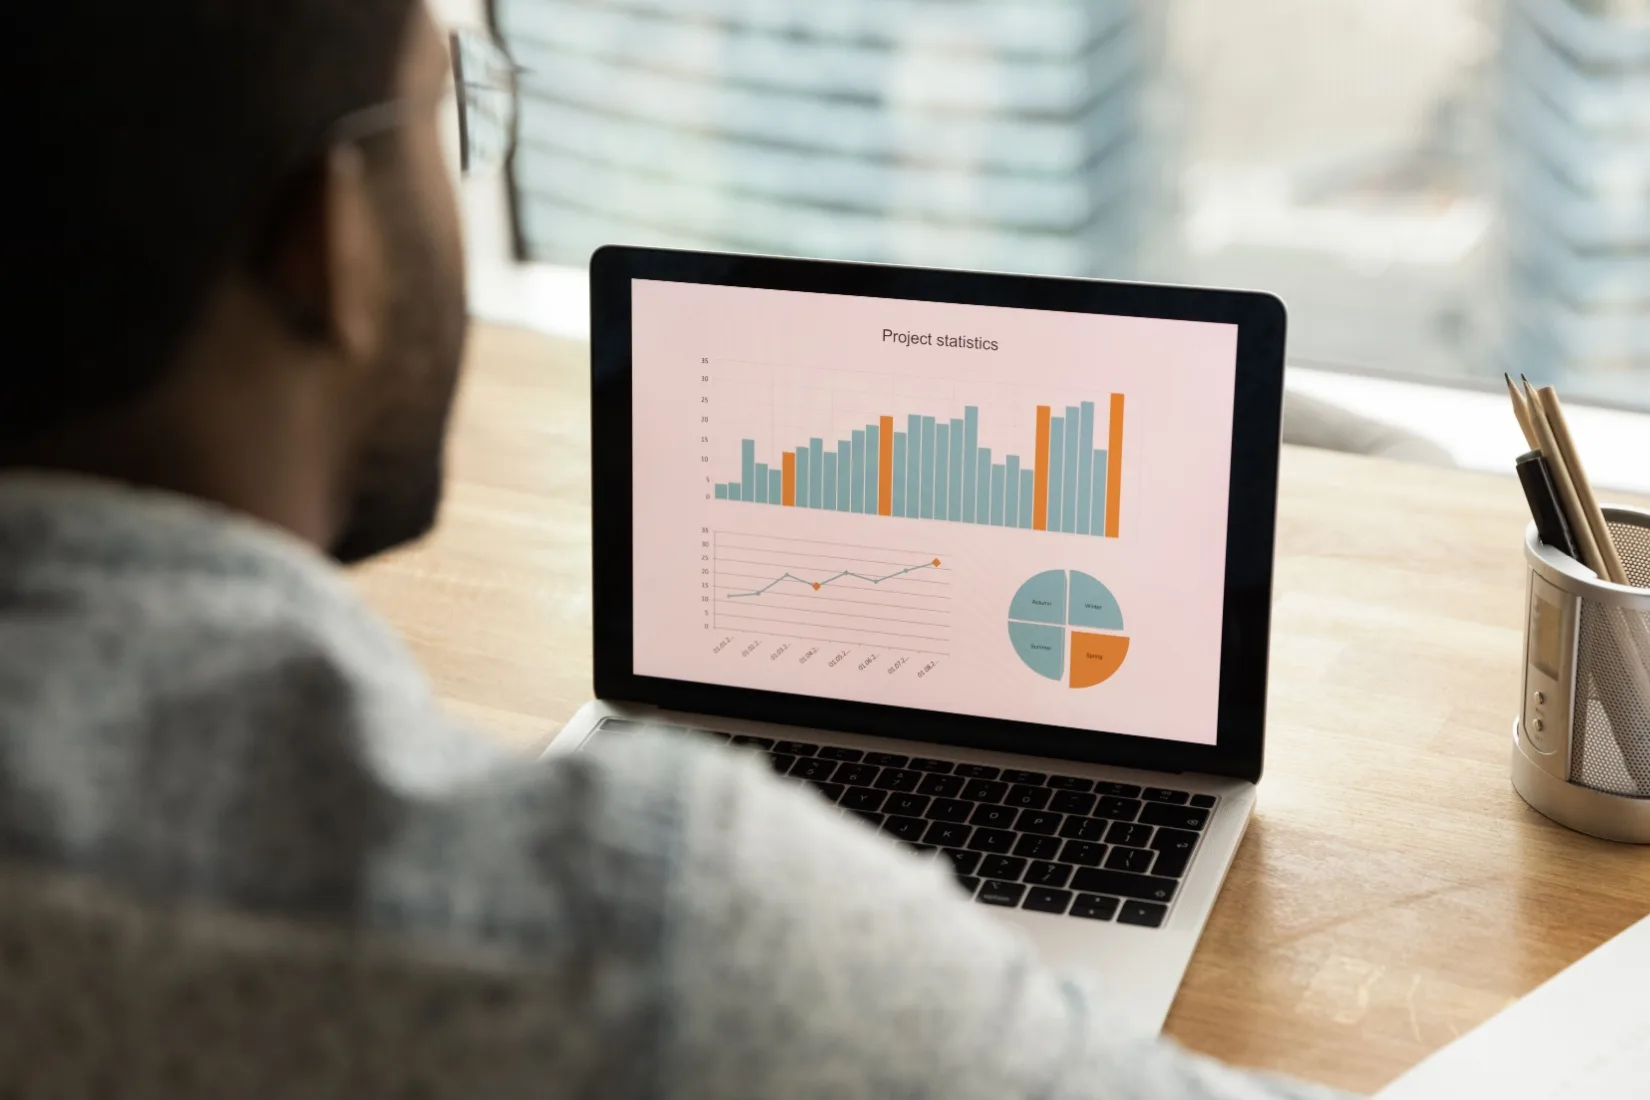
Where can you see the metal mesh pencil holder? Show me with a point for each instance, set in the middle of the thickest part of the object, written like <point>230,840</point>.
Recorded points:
<point>1581,744</point>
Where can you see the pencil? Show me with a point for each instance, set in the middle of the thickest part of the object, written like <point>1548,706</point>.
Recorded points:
<point>1567,495</point>
<point>1521,409</point>
<point>1594,515</point>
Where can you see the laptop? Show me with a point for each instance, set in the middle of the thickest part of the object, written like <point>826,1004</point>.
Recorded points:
<point>983,561</point>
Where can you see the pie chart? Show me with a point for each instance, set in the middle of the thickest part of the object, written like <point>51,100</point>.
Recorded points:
<point>1066,626</point>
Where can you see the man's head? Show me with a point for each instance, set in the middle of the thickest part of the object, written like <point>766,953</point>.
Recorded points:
<point>238,281</point>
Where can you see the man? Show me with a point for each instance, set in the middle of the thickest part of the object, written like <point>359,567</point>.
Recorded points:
<point>241,853</point>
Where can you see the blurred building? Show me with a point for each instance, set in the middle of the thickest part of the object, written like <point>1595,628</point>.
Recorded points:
<point>1576,120</point>
<point>979,133</point>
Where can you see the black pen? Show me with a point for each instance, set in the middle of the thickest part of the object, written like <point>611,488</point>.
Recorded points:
<point>1537,478</point>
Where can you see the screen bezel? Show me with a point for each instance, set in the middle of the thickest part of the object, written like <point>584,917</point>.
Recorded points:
<point>1256,439</point>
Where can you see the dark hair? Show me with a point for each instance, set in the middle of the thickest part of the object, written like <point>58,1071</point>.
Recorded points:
<point>154,141</point>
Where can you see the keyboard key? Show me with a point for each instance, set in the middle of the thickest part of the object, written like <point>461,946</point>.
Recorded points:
<point>997,817</point>
<point>1071,802</point>
<point>1033,846</point>
<point>1044,873</point>
<point>1172,864</point>
<point>1005,868</point>
<point>887,759</point>
<point>831,752</point>
<point>946,834</point>
<point>809,767</point>
<point>1082,853</point>
<point>1164,794</point>
<point>861,798</point>
<point>1038,821</point>
<point>1117,809</point>
<point>942,786</point>
<point>1124,884</point>
<point>781,762</point>
<point>991,840</point>
<point>1083,828</point>
<point>1203,801</point>
<point>1001,893</point>
<point>898,779</point>
<point>1033,798</point>
<point>950,809</point>
<point>1133,836</point>
<point>758,742</point>
<point>855,775</point>
<point>921,851</point>
<point>1094,907</point>
<point>831,791</point>
<point>796,748</point>
<point>1177,817</point>
<point>963,862</point>
<point>1118,790</point>
<point>976,771</point>
<point>984,790</point>
<point>1138,860</point>
<point>1035,779</point>
<point>906,805</point>
<point>868,817</point>
<point>907,828</point>
<point>927,764</point>
<point>1070,783</point>
<point>1045,900</point>
<point>1174,852</point>
<point>969,883</point>
<point>1143,913</point>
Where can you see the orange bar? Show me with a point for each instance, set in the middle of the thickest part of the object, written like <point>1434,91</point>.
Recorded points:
<point>885,467</point>
<point>787,481</point>
<point>1039,480</point>
<point>1114,467</point>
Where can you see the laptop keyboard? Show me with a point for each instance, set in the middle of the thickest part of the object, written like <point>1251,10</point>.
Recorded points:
<point>1058,844</point>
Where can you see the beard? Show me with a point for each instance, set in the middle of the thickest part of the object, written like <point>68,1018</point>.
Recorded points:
<point>396,488</point>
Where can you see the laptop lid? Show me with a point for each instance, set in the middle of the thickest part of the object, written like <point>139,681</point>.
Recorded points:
<point>1028,514</point>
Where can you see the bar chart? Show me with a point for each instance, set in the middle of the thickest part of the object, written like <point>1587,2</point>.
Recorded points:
<point>936,467</point>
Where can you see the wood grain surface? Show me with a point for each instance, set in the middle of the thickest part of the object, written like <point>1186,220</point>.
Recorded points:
<point>1393,890</point>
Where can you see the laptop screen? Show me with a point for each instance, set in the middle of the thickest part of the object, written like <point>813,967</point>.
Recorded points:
<point>977,510</point>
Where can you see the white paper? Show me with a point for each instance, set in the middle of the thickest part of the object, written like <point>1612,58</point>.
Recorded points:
<point>1584,1034</point>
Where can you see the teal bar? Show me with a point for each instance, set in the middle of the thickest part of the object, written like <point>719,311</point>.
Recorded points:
<point>856,483</point>
<point>829,481</point>
<point>816,473</point>
<point>1011,493</point>
<point>1026,490</point>
<point>997,496</point>
<point>899,473</point>
<point>1056,459</point>
<point>761,483</point>
<point>844,467</point>
<point>982,479</point>
<point>953,507</point>
<point>1098,526</point>
<point>873,462</point>
<point>926,469</point>
<point>1068,487</point>
<point>971,444</point>
<point>721,491</point>
<point>942,471</point>
<point>802,477</point>
<point>747,471</point>
<point>1085,485</point>
<point>913,466</point>
<point>776,487</point>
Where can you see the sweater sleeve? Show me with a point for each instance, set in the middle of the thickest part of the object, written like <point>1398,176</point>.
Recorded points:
<point>806,957</point>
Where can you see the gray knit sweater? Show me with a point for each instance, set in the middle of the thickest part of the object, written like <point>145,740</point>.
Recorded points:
<point>243,855</point>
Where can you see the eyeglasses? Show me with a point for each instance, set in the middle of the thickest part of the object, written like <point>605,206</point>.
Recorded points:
<point>484,92</point>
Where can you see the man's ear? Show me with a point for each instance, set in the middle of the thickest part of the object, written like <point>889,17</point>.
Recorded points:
<point>326,265</point>
<point>353,254</point>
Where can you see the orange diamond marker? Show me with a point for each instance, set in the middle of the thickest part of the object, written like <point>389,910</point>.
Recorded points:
<point>816,586</point>
<point>936,562</point>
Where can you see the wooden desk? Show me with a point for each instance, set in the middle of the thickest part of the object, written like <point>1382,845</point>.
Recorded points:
<point>1393,890</point>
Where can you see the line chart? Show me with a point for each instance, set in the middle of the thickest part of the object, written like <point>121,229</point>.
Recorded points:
<point>884,597</point>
